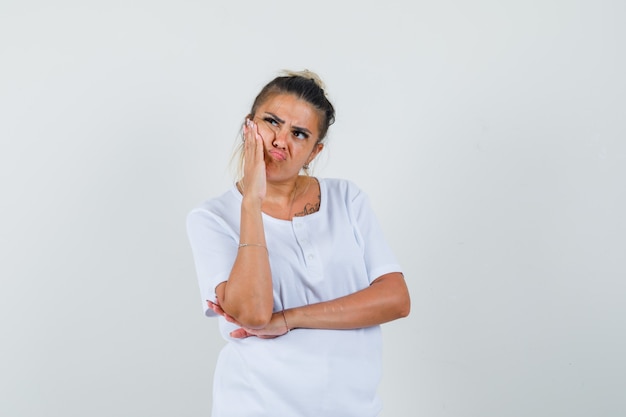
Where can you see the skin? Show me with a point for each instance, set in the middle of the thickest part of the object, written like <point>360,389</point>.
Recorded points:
<point>281,138</point>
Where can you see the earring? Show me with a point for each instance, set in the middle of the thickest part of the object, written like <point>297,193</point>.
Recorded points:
<point>305,166</point>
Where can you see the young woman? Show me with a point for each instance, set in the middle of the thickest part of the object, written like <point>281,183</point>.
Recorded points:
<point>297,269</point>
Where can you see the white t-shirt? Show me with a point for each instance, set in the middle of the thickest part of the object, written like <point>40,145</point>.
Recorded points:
<point>319,257</point>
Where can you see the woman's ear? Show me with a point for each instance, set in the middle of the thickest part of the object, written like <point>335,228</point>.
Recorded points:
<point>316,150</point>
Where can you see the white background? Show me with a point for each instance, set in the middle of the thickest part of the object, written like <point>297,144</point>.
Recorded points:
<point>490,135</point>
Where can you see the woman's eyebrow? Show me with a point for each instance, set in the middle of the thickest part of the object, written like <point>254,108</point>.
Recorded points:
<point>279,120</point>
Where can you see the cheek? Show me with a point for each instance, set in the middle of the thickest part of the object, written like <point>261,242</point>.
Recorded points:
<point>264,129</point>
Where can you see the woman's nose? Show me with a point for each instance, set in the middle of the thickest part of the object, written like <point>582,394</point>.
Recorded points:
<point>280,138</point>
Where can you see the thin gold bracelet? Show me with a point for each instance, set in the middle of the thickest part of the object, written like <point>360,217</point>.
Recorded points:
<point>243,245</point>
<point>285,319</point>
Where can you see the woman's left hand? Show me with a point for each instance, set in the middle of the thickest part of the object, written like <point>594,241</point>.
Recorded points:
<point>275,328</point>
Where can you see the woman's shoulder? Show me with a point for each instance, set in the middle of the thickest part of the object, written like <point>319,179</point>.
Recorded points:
<point>339,184</point>
<point>341,187</point>
<point>221,204</point>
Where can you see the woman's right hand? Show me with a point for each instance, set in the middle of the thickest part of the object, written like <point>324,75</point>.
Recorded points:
<point>255,184</point>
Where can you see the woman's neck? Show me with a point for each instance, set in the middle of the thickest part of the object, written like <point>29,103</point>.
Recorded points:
<point>280,196</point>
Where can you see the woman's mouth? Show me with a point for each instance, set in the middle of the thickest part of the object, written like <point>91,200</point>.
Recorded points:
<point>278,155</point>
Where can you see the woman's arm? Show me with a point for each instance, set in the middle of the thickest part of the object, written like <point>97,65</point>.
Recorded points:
<point>247,295</point>
<point>386,299</point>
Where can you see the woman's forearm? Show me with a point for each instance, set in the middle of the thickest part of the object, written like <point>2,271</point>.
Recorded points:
<point>247,295</point>
<point>386,299</point>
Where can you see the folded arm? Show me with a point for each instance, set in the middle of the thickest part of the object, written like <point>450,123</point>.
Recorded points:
<point>386,299</point>
<point>247,295</point>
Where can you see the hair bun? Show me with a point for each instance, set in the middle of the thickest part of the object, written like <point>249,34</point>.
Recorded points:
<point>310,75</point>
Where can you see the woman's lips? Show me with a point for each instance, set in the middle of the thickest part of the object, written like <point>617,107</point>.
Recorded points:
<point>277,154</point>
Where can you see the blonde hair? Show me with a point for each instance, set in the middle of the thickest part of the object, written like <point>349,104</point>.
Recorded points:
<point>310,75</point>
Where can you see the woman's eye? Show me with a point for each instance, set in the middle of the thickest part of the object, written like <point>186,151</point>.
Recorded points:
<point>300,135</point>
<point>271,121</point>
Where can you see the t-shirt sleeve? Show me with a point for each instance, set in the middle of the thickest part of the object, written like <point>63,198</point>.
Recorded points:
<point>378,256</point>
<point>214,248</point>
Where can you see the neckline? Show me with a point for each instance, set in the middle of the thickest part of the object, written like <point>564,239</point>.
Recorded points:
<point>322,187</point>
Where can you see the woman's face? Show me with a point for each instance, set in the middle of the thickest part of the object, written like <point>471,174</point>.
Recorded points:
<point>289,127</point>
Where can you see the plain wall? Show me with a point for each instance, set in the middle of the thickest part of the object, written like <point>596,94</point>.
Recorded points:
<point>490,136</point>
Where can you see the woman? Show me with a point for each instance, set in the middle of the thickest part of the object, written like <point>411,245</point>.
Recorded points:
<point>296,268</point>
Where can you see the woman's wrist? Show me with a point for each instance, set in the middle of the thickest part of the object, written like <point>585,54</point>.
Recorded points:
<point>251,204</point>
<point>289,318</point>
<point>285,321</point>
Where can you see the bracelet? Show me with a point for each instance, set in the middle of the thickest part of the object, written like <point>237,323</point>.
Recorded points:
<point>243,245</point>
<point>285,319</point>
